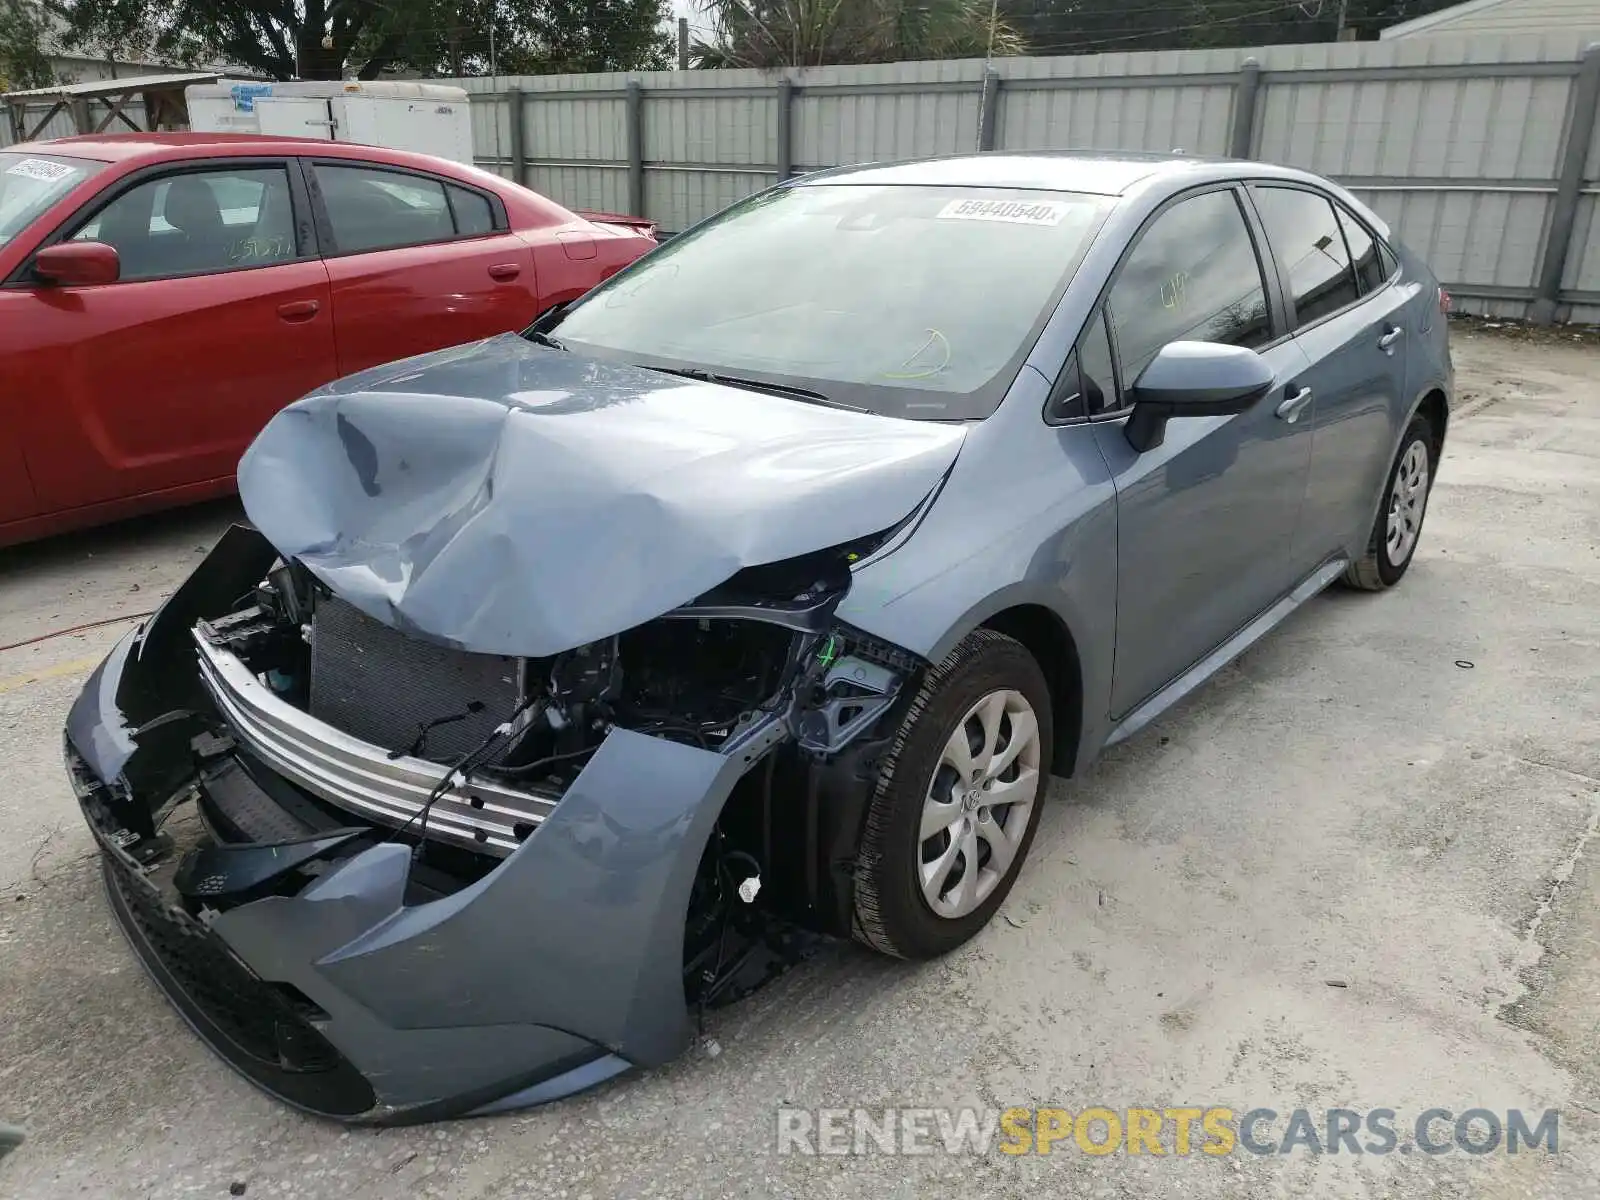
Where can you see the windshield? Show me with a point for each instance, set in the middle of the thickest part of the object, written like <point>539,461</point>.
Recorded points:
<point>906,301</point>
<point>31,183</point>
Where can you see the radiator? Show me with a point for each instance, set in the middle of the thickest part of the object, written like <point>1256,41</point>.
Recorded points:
<point>376,684</point>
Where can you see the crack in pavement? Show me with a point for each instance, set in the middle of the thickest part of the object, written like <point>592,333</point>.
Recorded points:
<point>1561,874</point>
<point>1569,863</point>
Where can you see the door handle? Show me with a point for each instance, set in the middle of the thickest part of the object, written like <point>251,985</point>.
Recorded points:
<point>1294,405</point>
<point>1387,341</point>
<point>504,271</point>
<point>299,310</point>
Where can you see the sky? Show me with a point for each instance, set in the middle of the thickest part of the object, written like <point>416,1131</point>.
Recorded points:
<point>698,25</point>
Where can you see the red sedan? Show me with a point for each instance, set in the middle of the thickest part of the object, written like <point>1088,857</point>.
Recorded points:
<point>164,294</point>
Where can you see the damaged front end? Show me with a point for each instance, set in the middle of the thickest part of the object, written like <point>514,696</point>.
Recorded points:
<point>390,879</point>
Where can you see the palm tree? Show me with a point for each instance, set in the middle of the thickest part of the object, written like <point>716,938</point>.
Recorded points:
<point>810,33</point>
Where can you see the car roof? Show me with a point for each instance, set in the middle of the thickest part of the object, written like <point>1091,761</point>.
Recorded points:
<point>1096,172</point>
<point>158,147</point>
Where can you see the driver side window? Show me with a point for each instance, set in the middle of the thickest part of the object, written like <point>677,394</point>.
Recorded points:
<point>1193,276</point>
<point>196,222</point>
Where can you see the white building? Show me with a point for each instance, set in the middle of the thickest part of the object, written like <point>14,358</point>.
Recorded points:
<point>1505,17</point>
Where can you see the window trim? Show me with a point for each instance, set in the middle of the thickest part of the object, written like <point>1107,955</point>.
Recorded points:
<point>331,249</point>
<point>1296,327</point>
<point>1271,287</point>
<point>306,249</point>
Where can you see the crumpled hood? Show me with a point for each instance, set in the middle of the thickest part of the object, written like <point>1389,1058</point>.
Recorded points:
<point>506,498</point>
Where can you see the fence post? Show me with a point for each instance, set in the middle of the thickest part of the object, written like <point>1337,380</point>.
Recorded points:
<point>635,105</point>
<point>1585,99</point>
<point>519,144</point>
<point>785,128</point>
<point>988,109</point>
<point>1244,109</point>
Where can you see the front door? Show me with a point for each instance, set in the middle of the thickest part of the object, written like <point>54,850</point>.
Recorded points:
<point>1205,521</point>
<point>160,380</point>
<point>418,263</point>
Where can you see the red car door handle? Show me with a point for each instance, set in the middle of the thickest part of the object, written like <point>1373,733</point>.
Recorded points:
<point>299,310</point>
<point>504,271</point>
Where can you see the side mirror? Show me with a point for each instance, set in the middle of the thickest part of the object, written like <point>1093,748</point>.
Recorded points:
<point>1194,379</point>
<point>77,264</point>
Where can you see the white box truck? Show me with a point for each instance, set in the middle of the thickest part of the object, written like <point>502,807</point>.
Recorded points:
<point>428,118</point>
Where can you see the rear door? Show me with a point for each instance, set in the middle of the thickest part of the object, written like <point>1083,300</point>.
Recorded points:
<point>417,262</point>
<point>1350,323</point>
<point>222,316</point>
<point>1205,520</point>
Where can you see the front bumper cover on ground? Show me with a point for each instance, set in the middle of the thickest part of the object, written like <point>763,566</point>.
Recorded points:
<point>558,969</point>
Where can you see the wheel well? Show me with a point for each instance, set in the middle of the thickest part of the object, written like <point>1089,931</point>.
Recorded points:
<point>1434,408</point>
<point>1046,637</point>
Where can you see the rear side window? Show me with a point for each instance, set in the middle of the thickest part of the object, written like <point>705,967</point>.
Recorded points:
<point>1363,253</point>
<point>371,209</point>
<point>1310,249</point>
<point>1193,276</point>
<point>474,217</point>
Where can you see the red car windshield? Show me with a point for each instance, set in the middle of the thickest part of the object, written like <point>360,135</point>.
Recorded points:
<point>31,183</point>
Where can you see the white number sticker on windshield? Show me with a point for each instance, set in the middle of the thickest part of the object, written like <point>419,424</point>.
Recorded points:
<point>1017,212</point>
<point>41,169</point>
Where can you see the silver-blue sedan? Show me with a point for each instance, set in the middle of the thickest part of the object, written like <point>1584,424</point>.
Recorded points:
<point>568,683</point>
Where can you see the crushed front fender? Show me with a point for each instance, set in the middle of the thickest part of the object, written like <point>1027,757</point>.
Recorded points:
<point>559,968</point>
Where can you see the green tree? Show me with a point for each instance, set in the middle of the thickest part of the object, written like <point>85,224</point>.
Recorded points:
<point>805,33</point>
<point>323,39</point>
<point>602,35</point>
<point>23,61</point>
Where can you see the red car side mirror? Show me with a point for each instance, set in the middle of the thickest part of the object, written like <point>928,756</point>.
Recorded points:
<point>77,264</point>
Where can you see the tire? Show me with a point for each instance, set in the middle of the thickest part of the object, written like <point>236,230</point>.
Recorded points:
<point>895,912</point>
<point>1382,566</point>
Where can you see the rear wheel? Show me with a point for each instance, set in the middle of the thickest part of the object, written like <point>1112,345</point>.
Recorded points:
<point>1399,525</point>
<point>956,802</point>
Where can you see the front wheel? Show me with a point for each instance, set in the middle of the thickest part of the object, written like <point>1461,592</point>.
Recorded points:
<point>956,802</point>
<point>1398,528</point>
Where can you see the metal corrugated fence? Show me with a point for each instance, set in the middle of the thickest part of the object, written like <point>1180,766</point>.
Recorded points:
<point>1483,152</point>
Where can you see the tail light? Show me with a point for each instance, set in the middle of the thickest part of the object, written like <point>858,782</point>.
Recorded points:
<point>1445,303</point>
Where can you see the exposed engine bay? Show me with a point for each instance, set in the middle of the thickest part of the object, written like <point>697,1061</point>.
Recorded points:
<point>756,669</point>
<point>704,674</point>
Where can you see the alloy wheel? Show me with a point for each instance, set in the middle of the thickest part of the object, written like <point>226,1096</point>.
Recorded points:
<point>979,803</point>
